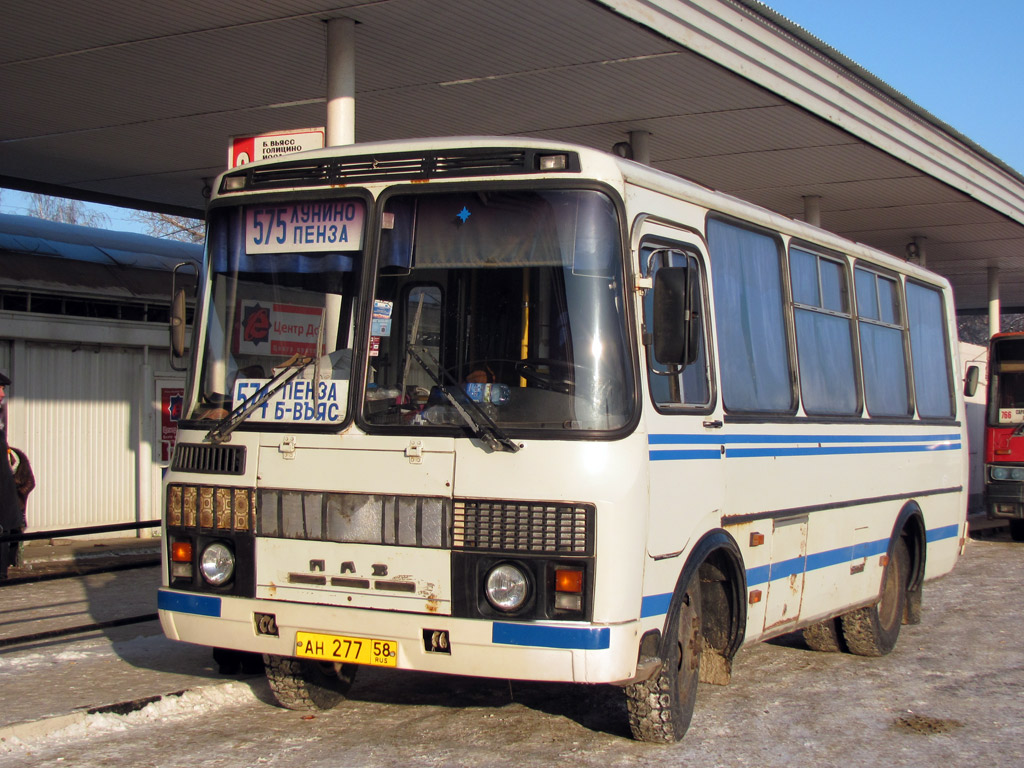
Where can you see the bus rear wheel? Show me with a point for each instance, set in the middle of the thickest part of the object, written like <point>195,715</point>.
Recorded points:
<point>874,629</point>
<point>660,708</point>
<point>307,685</point>
<point>825,636</point>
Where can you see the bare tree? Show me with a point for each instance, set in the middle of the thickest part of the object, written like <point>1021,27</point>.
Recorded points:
<point>171,227</point>
<point>66,211</point>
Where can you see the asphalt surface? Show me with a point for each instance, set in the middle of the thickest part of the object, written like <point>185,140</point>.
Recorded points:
<point>950,694</point>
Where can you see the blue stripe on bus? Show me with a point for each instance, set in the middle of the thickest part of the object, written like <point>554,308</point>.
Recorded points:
<point>946,532</point>
<point>666,439</point>
<point>180,602</point>
<point>685,455</point>
<point>746,453</point>
<point>541,636</point>
<point>657,605</point>
<point>776,446</point>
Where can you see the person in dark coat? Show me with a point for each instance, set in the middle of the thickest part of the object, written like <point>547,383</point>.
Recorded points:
<point>12,507</point>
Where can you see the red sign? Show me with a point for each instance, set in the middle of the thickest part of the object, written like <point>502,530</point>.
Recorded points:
<point>278,144</point>
<point>171,401</point>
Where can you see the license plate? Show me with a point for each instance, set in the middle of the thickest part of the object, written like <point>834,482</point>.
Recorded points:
<point>348,650</point>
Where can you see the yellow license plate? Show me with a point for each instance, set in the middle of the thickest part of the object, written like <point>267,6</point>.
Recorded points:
<point>347,650</point>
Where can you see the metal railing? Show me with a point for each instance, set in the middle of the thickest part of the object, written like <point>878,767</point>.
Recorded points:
<point>66,532</point>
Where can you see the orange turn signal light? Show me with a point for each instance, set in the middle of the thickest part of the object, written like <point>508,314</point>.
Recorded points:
<point>568,580</point>
<point>181,551</point>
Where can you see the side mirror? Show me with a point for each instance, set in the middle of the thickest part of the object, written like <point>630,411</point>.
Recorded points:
<point>675,317</point>
<point>971,380</point>
<point>177,318</point>
<point>178,323</point>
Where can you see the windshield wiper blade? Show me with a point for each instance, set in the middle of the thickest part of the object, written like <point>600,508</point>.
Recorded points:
<point>483,428</point>
<point>223,429</point>
<point>487,431</point>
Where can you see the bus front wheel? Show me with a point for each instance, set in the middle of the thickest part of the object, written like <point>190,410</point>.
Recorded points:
<point>1017,530</point>
<point>873,630</point>
<point>660,708</point>
<point>307,685</point>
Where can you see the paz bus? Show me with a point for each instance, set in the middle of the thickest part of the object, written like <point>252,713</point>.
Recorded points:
<point>1004,432</point>
<point>522,409</point>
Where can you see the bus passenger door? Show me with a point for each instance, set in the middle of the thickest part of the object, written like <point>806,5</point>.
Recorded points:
<point>684,427</point>
<point>786,579</point>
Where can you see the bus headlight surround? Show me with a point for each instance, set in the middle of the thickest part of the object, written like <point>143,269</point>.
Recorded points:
<point>506,587</point>
<point>217,563</point>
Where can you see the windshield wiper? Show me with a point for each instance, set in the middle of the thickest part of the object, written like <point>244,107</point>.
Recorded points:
<point>483,428</point>
<point>223,429</point>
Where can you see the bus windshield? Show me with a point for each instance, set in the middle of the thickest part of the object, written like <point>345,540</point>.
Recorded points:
<point>1006,381</point>
<point>283,286</point>
<point>499,307</point>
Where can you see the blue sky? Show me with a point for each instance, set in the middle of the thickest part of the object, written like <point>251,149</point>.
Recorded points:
<point>961,60</point>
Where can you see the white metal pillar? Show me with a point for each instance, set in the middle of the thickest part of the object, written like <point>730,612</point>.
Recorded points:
<point>993,300</point>
<point>341,82</point>
<point>922,257</point>
<point>641,144</point>
<point>812,210</point>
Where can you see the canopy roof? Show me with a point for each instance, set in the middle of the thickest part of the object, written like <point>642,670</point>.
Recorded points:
<point>136,102</point>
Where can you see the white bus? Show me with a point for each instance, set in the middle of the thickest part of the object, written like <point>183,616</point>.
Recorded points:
<point>521,409</point>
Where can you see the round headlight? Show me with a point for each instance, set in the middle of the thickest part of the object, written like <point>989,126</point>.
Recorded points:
<point>1000,473</point>
<point>1017,473</point>
<point>217,563</point>
<point>506,587</point>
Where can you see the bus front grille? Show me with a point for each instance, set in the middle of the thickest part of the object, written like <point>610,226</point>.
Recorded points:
<point>515,526</point>
<point>209,459</point>
<point>354,518</point>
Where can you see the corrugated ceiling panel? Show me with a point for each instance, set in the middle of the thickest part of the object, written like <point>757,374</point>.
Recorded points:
<point>741,171</point>
<point>857,195</point>
<point>76,26</point>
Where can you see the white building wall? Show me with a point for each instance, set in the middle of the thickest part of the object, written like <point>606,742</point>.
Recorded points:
<point>87,415</point>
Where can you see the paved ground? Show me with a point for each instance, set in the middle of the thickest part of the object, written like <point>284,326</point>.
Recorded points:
<point>55,557</point>
<point>949,695</point>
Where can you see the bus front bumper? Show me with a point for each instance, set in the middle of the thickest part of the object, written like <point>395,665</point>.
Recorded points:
<point>549,651</point>
<point>1004,501</point>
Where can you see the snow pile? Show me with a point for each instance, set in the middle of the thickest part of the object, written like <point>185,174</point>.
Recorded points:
<point>169,707</point>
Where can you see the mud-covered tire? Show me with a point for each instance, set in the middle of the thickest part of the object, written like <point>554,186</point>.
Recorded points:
<point>874,629</point>
<point>660,708</point>
<point>1017,530</point>
<point>307,685</point>
<point>825,636</point>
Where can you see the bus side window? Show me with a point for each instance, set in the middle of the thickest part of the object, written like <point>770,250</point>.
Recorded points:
<point>670,387</point>
<point>750,323</point>
<point>824,334</point>
<point>933,386</point>
<point>883,355</point>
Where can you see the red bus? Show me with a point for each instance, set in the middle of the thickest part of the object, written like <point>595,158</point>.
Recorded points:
<point>1004,432</point>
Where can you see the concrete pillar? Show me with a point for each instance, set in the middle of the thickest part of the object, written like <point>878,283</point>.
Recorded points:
<point>341,82</point>
<point>812,209</point>
<point>641,144</point>
<point>993,301</point>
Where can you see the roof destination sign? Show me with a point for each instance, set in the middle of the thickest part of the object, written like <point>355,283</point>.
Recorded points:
<point>274,145</point>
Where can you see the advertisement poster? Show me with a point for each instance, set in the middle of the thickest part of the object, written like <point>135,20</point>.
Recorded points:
<point>171,399</point>
<point>268,328</point>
